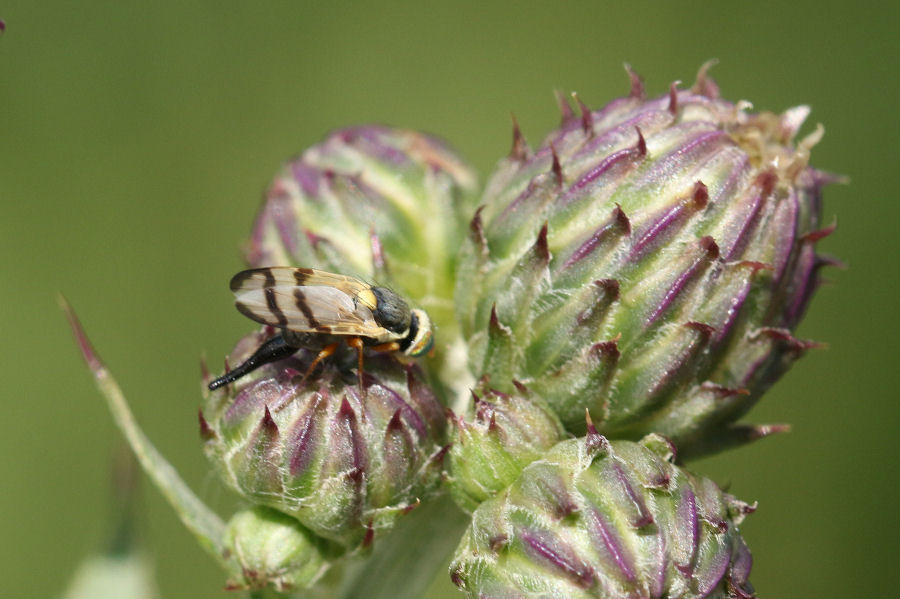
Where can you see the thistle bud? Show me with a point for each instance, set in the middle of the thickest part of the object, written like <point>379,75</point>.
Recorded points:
<point>344,461</point>
<point>383,204</point>
<point>502,434</point>
<point>600,519</point>
<point>648,261</point>
<point>268,548</point>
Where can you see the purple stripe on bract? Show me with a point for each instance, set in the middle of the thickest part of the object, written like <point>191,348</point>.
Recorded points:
<point>263,455</point>
<point>622,133</point>
<point>680,362</point>
<point>555,555</point>
<point>785,223</point>
<point>803,285</point>
<point>757,368</point>
<point>371,141</point>
<point>736,302</point>
<point>687,527</point>
<point>698,265</point>
<point>734,248</point>
<point>345,432</point>
<point>304,432</point>
<point>690,154</point>
<point>676,216</point>
<point>708,578</point>
<point>425,401</point>
<point>644,517</point>
<point>307,177</point>
<point>553,487</point>
<point>618,108</point>
<point>607,165</point>
<point>565,129</point>
<point>611,545</point>
<point>741,564</point>
<point>659,565</point>
<point>378,392</point>
<point>252,399</point>
<point>511,209</point>
<point>617,222</point>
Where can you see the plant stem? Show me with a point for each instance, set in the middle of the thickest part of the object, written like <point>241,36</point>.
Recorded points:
<point>205,524</point>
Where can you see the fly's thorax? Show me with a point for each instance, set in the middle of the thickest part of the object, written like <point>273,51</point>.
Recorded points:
<point>390,311</point>
<point>420,339</point>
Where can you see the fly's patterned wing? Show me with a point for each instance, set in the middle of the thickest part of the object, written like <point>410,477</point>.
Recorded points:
<point>305,300</point>
<point>284,276</point>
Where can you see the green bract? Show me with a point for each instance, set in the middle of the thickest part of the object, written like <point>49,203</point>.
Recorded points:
<point>344,461</point>
<point>606,520</point>
<point>502,434</point>
<point>648,262</point>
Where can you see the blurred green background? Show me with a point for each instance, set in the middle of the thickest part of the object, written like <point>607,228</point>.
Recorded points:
<point>135,142</point>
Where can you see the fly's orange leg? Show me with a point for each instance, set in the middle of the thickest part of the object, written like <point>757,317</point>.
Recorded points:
<point>390,346</point>
<point>326,351</point>
<point>357,343</point>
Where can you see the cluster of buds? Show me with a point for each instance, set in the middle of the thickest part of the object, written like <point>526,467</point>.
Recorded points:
<point>645,265</point>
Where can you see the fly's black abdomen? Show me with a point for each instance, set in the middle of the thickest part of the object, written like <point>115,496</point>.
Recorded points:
<point>272,350</point>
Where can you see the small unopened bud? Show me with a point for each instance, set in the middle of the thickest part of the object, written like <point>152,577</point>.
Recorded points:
<point>265,547</point>
<point>502,434</point>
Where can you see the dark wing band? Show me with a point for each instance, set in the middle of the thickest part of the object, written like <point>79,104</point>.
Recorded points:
<point>308,309</point>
